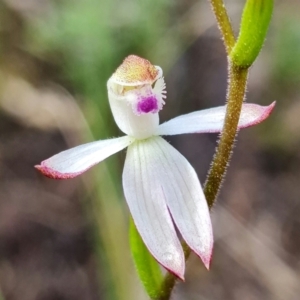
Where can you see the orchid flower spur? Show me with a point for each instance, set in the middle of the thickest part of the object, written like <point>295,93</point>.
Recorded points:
<point>160,186</point>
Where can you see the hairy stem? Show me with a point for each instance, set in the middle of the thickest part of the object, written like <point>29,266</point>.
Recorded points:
<point>224,24</point>
<point>235,97</point>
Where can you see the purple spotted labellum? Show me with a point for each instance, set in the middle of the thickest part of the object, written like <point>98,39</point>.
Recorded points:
<point>146,105</point>
<point>160,186</point>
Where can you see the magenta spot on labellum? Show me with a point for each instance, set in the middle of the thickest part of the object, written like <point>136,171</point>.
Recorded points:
<point>148,104</point>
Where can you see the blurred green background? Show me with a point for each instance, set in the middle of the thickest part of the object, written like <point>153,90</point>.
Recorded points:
<point>65,240</point>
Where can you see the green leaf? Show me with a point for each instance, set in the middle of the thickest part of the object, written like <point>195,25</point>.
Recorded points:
<point>254,25</point>
<point>147,267</point>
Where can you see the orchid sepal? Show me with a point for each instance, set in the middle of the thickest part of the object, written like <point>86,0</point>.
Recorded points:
<point>211,120</point>
<point>73,162</point>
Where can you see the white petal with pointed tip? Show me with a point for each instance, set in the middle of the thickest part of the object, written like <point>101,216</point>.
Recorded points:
<point>184,197</point>
<point>72,162</point>
<point>146,202</point>
<point>212,120</point>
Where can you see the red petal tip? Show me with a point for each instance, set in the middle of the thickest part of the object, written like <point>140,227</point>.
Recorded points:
<point>269,110</point>
<point>206,257</point>
<point>265,110</point>
<point>207,263</point>
<point>50,173</point>
<point>207,260</point>
<point>179,276</point>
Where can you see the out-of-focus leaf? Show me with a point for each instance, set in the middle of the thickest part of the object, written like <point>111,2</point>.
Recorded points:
<point>286,59</point>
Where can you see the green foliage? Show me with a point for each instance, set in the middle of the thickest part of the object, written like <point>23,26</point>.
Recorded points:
<point>147,267</point>
<point>286,62</point>
<point>254,25</point>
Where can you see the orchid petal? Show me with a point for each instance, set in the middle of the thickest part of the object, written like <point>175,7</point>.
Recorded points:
<point>212,120</point>
<point>184,197</point>
<point>73,162</point>
<point>146,202</point>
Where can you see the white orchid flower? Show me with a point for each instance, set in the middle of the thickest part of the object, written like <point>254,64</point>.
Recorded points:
<point>160,186</point>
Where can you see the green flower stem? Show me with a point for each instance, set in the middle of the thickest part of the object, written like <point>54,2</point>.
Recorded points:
<point>235,97</point>
<point>241,54</point>
<point>224,24</point>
